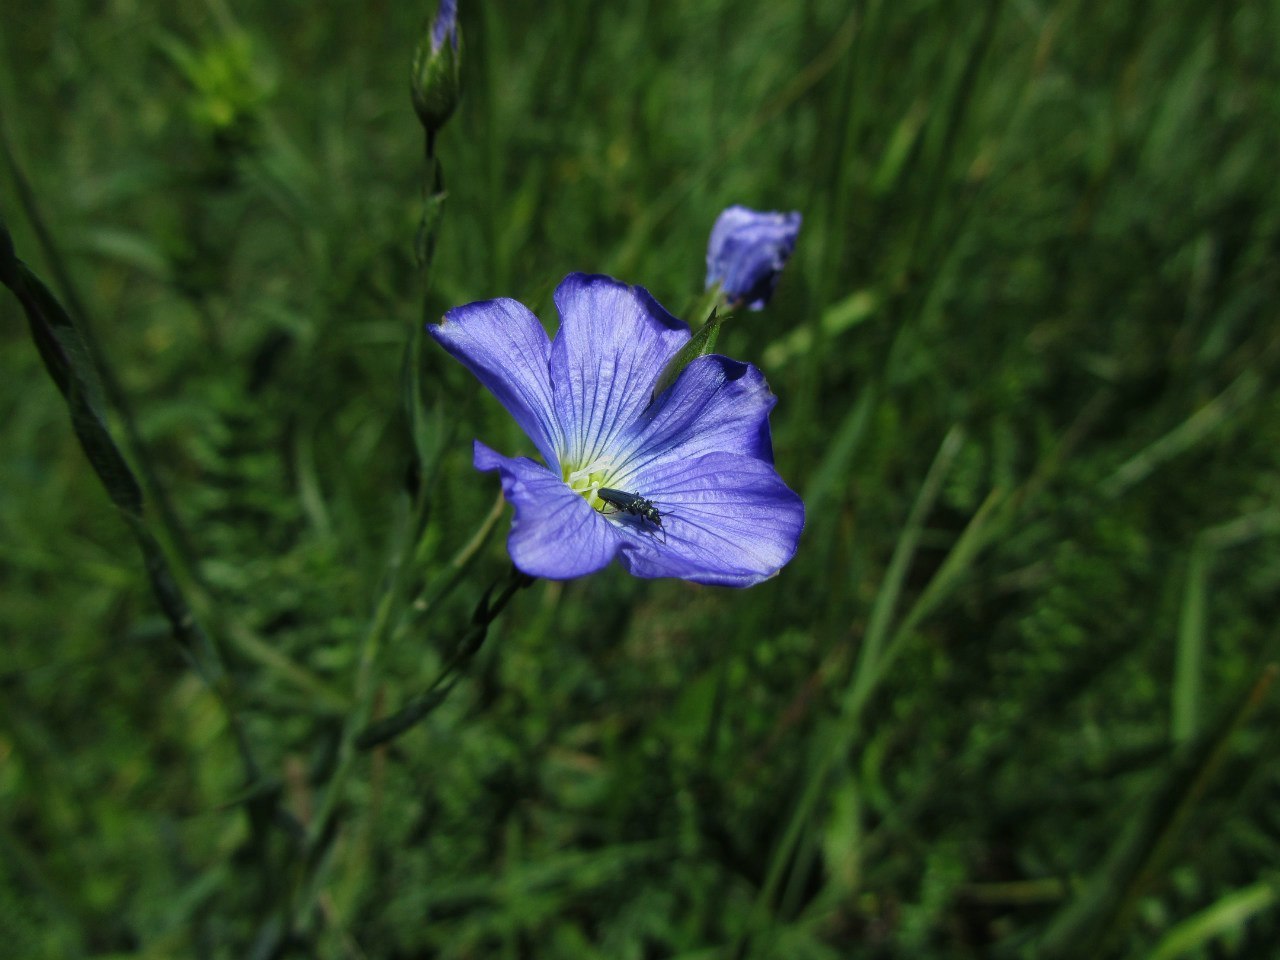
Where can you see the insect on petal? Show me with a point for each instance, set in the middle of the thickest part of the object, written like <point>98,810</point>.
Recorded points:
<point>726,520</point>
<point>678,486</point>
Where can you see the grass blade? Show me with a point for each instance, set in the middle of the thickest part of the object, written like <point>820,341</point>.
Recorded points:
<point>1090,922</point>
<point>1226,915</point>
<point>835,740</point>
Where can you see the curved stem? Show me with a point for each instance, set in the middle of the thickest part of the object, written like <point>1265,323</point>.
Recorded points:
<point>468,646</point>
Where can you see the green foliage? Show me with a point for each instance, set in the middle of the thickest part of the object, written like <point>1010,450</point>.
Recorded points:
<point>1025,355</point>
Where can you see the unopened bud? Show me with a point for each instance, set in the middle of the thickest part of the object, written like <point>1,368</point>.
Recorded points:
<point>436,82</point>
<point>748,250</point>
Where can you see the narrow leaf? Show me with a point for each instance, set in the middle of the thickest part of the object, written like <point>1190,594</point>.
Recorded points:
<point>699,345</point>
<point>1225,916</point>
<point>67,359</point>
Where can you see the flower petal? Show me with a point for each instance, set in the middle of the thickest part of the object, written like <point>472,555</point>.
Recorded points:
<point>445,25</point>
<point>504,345</point>
<point>717,405</point>
<point>614,341</point>
<point>555,533</point>
<point>726,520</point>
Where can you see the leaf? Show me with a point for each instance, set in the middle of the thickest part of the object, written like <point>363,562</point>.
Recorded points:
<point>67,359</point>
<point>1225,916</point>
<point>417,710</point>
<point>700,344</point>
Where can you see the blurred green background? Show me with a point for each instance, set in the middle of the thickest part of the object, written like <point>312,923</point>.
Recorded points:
<point>1007,701</point>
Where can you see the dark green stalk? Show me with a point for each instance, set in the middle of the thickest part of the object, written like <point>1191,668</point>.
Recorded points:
<point>70,364</point>
<point>468,646</point>
<point>111,388</point>
<point>399,580</point>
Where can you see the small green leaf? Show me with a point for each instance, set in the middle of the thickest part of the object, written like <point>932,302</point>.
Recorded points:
<point>1227,915</point>
<point>702,343</point>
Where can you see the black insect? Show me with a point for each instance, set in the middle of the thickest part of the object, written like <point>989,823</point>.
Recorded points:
<point>632,504</point>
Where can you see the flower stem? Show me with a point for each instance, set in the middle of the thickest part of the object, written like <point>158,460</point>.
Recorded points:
<point>406,557</point>
<point>468,646</point>
<point>457,566</point>
<point>699,310</point>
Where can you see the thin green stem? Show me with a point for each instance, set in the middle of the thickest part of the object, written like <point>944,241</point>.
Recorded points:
<point>179,562</point>
<point>405,557</point>
<point>70,364</point>
<point>700,307</point>
<point>358,717</point>
<point>114,392</point>
<point>468,646</point>
<point>458,565</point>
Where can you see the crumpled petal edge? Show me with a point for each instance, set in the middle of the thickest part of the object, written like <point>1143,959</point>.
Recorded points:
<point>555,534</point>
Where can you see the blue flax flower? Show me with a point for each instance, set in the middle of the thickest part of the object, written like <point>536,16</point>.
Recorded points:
<point>699,453</point>
<point>748,250</point>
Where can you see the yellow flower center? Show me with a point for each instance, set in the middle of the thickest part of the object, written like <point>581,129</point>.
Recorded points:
<point>586,481</point>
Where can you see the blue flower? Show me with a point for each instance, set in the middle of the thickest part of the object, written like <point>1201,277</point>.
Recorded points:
<point>699,454</point>
<point>748,250</point>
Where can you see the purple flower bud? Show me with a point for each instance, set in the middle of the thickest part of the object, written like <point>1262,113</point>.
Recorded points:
<point>677,485</point>
<point>748,250</point>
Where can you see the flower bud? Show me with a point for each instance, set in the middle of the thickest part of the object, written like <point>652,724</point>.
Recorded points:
<point>748,250</point>
<point>436,80</point>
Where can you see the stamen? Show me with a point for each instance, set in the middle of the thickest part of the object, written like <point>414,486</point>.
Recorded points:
<point>585,481</point>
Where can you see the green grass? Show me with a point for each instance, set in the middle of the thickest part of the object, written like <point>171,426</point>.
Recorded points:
<point>1009,700</point>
